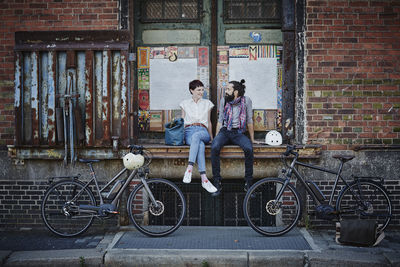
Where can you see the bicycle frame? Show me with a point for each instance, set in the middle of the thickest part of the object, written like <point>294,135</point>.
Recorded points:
<point>115,200</point>
<point>293,170</point>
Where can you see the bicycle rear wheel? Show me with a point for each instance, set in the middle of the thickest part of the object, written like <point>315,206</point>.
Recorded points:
<point>266,214</point>
<point>365,200</point>
<point>162,219</point>
<point>60,208</point>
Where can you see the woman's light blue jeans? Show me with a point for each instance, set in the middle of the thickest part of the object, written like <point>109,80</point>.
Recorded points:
<point>197,137</point>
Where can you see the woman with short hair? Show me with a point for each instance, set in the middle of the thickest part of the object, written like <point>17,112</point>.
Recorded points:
<point>196,113</point>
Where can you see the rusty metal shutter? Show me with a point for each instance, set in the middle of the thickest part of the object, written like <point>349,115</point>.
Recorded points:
<point>94,65</point>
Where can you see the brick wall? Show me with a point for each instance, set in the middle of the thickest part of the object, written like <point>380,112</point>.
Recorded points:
<point>56,15</point>
<point>20,205</point>
<point>391,186</point>
<point>353,72</point>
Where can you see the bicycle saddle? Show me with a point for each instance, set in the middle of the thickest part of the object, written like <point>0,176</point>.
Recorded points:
<point>88,160</point>
<point>343,158</point>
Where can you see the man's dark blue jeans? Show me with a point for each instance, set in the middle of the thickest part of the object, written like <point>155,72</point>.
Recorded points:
<point>235,137</point>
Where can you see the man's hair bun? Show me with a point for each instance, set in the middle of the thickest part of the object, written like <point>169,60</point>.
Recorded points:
<point>242,81</point>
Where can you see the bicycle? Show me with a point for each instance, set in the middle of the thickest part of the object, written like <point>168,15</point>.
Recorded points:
<point>272,206</point>
<point>156,207</point>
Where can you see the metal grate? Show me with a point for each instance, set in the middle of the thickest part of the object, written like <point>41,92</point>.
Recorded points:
<point>252,11</point>
<point>224,210</point>
<point>170,11</point>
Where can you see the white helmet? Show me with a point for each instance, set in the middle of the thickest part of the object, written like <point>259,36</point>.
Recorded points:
<point>273,138</point>
<point>133,161</point>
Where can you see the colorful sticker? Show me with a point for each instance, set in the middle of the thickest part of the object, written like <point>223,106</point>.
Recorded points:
<point>144,99</point>
<point>256,36</point>
<point>203,56</point>
<point>172,53</point>
<point>253,52</point>
<point>259,120</point>
<point>279,54</point>
<point>223,55</point>
<point>223,79</point>
<point>143,57</point>
<point>267,51</point>
<point>156,120</point>
<point>270,119</point>
<point>157,52</point>
<point>144,120</point>
<point>186,52</point>
<point>143,79</point>
<point>203,76</point>
<point>239,51</point>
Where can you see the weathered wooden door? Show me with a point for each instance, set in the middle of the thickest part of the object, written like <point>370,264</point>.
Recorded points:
<point>215,41</point>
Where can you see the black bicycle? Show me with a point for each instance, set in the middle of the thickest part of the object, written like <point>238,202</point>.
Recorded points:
<point>272,206</point>
<point>155,206</point>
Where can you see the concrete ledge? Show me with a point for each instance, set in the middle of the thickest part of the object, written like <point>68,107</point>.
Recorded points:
<point>67,258</point>
<point>343,258</point>
<point>159,151</point>
<point>393,258</point>
<point>3,256</point>
<point>176,258</point>
<point>276,258</point>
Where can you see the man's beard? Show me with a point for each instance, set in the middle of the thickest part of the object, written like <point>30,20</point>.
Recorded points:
<point>229,98</point>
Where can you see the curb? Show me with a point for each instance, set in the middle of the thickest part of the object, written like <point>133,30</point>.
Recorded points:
<point>67,258</point>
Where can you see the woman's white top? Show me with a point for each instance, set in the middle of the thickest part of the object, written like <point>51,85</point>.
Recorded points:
<point>196,112</point>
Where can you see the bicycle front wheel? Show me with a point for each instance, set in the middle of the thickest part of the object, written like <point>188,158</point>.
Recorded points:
<point>162,217</point>
<point>365,200</point>
<point>268,215</point>
<point>60,208</point>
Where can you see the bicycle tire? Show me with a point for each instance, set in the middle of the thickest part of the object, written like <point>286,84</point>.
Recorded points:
<point>64,219</point>
<point>377,203</point>
<point>260,208</point>
<point>152,221</point>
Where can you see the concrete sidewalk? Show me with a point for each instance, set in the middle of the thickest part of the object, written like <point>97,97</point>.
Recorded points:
<point>197,246</point>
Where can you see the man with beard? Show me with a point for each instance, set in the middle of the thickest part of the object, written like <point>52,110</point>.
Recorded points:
<point>235,113</point>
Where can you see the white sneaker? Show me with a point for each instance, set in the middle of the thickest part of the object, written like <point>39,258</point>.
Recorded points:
<point>187,178</point>
<point>207,185</point>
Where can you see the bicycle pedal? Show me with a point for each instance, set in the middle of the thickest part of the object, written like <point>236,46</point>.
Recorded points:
<point>113,212</point>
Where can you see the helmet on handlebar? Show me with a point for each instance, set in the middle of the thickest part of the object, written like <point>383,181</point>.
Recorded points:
<point>273,138</point>
<point>133,161</point>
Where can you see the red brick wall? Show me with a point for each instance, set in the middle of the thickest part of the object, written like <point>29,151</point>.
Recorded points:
<point>353,72</point>
<point>42,15</point>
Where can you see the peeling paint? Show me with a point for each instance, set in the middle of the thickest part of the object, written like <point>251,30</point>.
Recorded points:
<point>41,82</point>
<point>54,154</point>
<point>17,82</point>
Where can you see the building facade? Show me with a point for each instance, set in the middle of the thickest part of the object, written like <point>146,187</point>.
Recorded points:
<point>87,78</point>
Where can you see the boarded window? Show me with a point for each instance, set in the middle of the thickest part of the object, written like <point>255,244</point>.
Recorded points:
<point>252,11</point>
<point>171,10</point>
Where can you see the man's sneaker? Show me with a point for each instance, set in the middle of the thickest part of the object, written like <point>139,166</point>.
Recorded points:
<point>218,186</point>
<point>207,185</point>
<point>187,178</point>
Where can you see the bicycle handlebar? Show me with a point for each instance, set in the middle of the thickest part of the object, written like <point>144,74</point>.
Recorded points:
<point>290,150</point>
<point>138,149</point>
<point>134,148</point>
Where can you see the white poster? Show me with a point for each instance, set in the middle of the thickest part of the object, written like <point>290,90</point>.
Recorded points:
<point>169,82</point>
<point>260,76</point>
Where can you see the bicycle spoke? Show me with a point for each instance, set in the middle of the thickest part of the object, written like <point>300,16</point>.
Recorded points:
<point>62,215</point>
<point>162,217</point>
<point>365,200</point>
<point>268,215</point>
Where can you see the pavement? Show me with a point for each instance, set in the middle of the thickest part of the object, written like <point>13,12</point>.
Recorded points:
<point>192,246</point>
